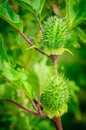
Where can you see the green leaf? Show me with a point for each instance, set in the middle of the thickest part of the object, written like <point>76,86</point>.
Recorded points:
<point>43,73</point>
<point>32,5</point>
<point>3,56</point>
<point>18,78</point>
<point>11,74</point>
<point>34,81</point>
<point>39,76</point>
<point>75,11</point>
<point>31,47</point>
<point>7,13</point>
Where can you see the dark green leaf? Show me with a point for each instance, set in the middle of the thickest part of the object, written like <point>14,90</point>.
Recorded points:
<point>81,35</point>
<point>3,56</point>
<point>7,13</point>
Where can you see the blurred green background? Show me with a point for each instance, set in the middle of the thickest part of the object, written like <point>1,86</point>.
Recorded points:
<point>74,67</point>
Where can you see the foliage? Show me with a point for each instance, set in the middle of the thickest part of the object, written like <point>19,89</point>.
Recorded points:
<point>76,11</point>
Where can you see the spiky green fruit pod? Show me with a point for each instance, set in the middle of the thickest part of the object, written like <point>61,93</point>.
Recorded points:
<point>55,35</point>
<point>55,97</point>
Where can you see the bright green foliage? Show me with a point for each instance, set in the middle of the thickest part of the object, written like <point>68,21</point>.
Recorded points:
<point>7,13</point>
<point>55,97</point>
<point>17,78</point>
<point>55,34</point>
<point>75,11</point>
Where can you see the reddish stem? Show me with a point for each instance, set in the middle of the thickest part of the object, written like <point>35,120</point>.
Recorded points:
<point>36,102</point>
<point>39,101</point>
<point>57,123</point>
<point>54,59</point>
<point>27,110</point>
<point>31,44</point>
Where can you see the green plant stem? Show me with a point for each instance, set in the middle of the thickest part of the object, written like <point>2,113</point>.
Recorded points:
<point>27,110</point>
<point>56,120</point>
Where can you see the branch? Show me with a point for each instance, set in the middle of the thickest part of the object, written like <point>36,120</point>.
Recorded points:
<point>54,60</point>
<point>36,102</point>
<point>25,109</point>
<point>31,44</point>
